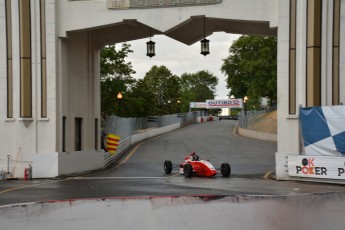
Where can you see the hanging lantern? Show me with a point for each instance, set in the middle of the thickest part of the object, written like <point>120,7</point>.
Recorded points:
<point>150,45</point>
<point>150,48</point>
<point>205,46</point>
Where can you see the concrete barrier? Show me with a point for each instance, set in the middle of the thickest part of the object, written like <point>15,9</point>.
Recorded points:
<point>313,211</point>
<point>153,132</point>
<point>57,164</point>
<point>272,137</point>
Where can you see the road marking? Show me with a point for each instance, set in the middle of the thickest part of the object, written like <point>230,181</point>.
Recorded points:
<point>138,145</point>
<point>117,177</point>
<point>32,185</point>
<point>80,178</point>
<point>268,174</point>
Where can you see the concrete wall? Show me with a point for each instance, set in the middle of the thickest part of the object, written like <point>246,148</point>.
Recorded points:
<point>313,211</point>
<point>49,165</point>
<point>271,137</point>
<point>79,91</point>
<point>22,138</point>
<point>153,132</point>
<point>80,15</point>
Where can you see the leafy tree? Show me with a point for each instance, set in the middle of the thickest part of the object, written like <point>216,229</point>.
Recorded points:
<point>115,77</point>
<point>252,69</point>
<point>197,87</point>
<point>143,103</point>
<point>161,89</point>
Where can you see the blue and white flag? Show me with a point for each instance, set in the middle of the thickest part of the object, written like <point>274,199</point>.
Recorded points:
<point>323,130</point>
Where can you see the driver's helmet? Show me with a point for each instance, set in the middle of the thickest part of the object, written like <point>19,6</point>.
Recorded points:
<point>196,157</point>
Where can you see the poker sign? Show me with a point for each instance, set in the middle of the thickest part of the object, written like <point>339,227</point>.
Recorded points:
<point>316,167</point>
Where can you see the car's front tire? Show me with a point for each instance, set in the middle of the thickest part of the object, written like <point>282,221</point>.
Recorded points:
<point>167,167</point>
<point>225,169</point>
<point>188,170</point>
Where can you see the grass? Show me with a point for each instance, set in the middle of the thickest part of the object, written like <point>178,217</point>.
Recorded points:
<point>265,123</point>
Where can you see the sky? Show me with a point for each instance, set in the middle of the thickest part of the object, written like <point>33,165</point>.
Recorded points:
<point>180,58</point>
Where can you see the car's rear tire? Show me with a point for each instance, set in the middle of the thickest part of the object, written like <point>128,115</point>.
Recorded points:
<point>225,169</point>
<point>167,167</point>
<point>188,170</point>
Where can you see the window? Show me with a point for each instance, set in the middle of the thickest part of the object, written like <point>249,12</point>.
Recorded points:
<point>78,133</point>
<point>314,16</point>
<point>96,134</point>
<point>25,59</point>
<point>63,134</point>
<point>9,59</point>
<point>43,60</point>
<point>292,58</point>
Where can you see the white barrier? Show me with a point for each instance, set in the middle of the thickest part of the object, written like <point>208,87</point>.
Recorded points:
<point>271,137</point>
<point>153,132</point>
<point>55,164</point>
<point>209,212</point>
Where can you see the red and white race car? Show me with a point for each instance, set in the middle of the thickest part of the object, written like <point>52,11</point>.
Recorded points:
<point>192,166</point>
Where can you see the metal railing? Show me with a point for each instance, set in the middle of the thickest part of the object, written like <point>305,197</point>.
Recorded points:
<point>257,121</point>
<point>126,127</point>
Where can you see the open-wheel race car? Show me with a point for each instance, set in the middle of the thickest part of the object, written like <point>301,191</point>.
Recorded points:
<point>194,166</point>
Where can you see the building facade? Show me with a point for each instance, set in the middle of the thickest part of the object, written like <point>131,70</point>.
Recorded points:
<point>50,77</point>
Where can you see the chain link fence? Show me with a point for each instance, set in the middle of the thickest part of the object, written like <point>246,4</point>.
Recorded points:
<point>261,121</point>
<point>126,127</point>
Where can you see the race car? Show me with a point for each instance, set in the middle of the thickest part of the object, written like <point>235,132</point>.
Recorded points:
<point>193,166</point>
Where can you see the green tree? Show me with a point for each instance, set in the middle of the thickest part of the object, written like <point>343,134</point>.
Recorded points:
<point>158,91</point>
<point>197,87</point>
<point>143,103</point>
<point>251,69</point>
<point>115,77</point>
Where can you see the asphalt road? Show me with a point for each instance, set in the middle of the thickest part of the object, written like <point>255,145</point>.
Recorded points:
<point>140,172</point>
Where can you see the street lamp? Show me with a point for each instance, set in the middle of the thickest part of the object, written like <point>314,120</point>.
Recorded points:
<point>119,98</point>
<point>178,105</point>
<point>245,99</point>
<point>205,44</point>
<point>150,46</point>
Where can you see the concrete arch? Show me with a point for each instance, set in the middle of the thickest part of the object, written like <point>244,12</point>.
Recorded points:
<point>74,32</point>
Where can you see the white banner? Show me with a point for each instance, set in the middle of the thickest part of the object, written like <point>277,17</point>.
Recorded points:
<point>224,103</point>
<point>316,167</point>
<point>199,105</point>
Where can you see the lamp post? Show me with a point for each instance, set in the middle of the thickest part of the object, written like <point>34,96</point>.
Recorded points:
<point>178,105</point>
<point>150,46</point>
<point>245,99</point>
<point>119,98</point>
<point>205,43</point>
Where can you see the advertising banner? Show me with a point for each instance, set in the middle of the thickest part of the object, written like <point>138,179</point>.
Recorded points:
<point>224,103</point>
<point>323,130</point>
<point>316,167</point>
<point>198,105</point>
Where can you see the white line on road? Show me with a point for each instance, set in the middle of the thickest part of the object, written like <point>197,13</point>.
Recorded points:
<point>111,178</point>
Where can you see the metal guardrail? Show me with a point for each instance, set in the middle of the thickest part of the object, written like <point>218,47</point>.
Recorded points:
<point>126,127</point>
<point>112,158</point>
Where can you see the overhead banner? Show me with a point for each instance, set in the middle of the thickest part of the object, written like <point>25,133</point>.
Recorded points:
<point>316,167</point>
<point>323,130</point>
<point>198,105</point>
<point>224,103</point>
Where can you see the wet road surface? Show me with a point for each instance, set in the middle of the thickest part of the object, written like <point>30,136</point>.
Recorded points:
<point>140,172</point>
